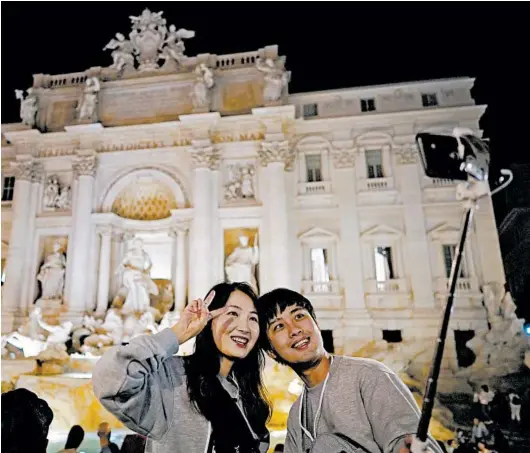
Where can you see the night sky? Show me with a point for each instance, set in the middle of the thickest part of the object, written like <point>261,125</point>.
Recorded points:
<point>328,45</point>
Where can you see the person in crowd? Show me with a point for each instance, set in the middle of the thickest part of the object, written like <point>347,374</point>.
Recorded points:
<point>74,439</point>
<point>479,432</point>
<point>484,397</point>
<point>212,399</point>
<point>360,401</point>
<point>26,420</point>
<point>104,433</point>
<point>515,405</point>
<point>133,443</point>
<point>451,446</point>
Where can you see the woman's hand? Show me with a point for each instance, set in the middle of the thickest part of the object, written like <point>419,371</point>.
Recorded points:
<point>195,317</point>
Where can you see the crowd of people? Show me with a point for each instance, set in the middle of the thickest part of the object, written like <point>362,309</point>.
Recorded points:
<point>214,399</point>
<point>491,411</point>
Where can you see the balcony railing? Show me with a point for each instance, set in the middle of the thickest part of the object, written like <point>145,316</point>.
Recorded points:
<point>393,286</point>
<point>463,285</point>
<point>311,188</point>
<point>311,287</point>
<point>376,184</point>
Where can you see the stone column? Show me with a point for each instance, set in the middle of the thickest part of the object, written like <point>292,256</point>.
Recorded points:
<point>417,250</point>
<point>30,272</point>
<point>357,322</point>
<point>18,242</point>
<point>178,275</point>
<point>277,158</point>
<point>204,157</point>
<point>104,270</point>
<point>84,166</point>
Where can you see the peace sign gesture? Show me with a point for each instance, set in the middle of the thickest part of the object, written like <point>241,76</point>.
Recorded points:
<point>195,317</point>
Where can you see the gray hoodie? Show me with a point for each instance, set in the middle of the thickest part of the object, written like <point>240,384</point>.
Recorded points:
<point>144,385</point>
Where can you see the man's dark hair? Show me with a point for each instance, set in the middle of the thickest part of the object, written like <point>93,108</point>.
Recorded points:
<point>75,437</point>
<point>274,302</point>
<point>26,420</point>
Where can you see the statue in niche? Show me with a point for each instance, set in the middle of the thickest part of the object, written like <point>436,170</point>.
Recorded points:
<point>135,271</point>
<point>64,200</point>
<point>28,106</point>
<point>240,185</point>
<point>88,106</point>
<point>276,79</point>
<point>204,82</point>
<point>240,265</point>
<point>173,51</point>
<point>122,53</point>
<point>51,274</point>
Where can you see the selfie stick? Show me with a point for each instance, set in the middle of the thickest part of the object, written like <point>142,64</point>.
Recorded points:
<point>470,191</point>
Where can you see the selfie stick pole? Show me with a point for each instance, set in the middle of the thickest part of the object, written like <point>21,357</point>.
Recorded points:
<point>469,192</point>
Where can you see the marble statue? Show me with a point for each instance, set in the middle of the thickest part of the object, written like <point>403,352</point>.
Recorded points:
<point>135,269</point>
<point>204,82</point>
<point>88,106</point>
<point>241,263</point>
<point>240,185</point>
<point>51,192</point>
<point>51,274</point>
<point>28,106</point>
<point>174,48</point>
<point>28,337</point>
<point>122,53</point>
<point>500,350</point>
<point>276,79</point>
<point>147,36</point>
<point>64,200</point>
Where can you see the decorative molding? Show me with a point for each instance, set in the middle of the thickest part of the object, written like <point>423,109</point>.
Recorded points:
<point>24,168</point>
<point>407,154</point>
<point>38,175</point>
<point>277,151</point>
<point>205,156</point>
<point>85,164</point>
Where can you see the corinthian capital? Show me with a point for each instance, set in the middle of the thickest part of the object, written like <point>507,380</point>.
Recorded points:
<point>277,151</point>
<point>205,155</point>
<point>38,175</point>
<point>85,164</point>
<point>24,168</point>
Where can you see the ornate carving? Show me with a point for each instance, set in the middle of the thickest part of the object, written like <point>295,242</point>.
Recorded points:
<point>84,165</point>
<point>277,151</point>
<point>28,106</point>
<point>39,174</point>
<point>407,154</point>
<point>56,194</point>
<point>343,156</point>
<point>24,169</point>
<point>205,157</point>
<point>240,184</point>
<point>204,82</point>
<point>150,42</point>
<point>88,105</point>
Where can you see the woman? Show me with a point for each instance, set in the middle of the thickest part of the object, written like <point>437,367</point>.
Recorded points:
<point>74,439</point>
<point>211,399</point>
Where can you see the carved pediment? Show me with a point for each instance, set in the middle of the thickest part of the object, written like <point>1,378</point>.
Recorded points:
<point>381,232</point>
<point>444,231</point>
<point>318,235</point>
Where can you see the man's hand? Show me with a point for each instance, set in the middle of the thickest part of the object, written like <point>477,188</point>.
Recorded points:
<point>195,317</point>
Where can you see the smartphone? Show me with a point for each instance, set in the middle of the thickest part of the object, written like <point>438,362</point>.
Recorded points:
<point>439,155</point>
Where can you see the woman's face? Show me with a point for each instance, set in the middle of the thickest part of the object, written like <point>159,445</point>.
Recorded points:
<point>236,331</point>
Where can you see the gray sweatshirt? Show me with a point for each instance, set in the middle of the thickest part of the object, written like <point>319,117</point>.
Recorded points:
<point>144,385</point>
<point>363,400</point>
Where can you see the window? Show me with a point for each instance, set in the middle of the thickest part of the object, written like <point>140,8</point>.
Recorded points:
<point>392,336</point>
<point>368,105</point>
<point>384,268</point>
<point>310,110</point>
<point>374,163</point>
<point>319,269</point>
<point>8,189</point>
<point>314,167</point>
<point>429,99</point>
<point>449,254</point>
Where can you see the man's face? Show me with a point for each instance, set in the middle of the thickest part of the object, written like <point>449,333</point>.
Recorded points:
<point>295,337</point>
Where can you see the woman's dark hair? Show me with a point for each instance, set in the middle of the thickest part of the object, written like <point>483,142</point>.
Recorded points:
<point>202,368</point>
<point>133,443</point>
<point>75,437</point>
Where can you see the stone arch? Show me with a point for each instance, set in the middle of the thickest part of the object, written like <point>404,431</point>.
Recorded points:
<point>374,138</point>
<point>313,141</point>
<point>169,192</point>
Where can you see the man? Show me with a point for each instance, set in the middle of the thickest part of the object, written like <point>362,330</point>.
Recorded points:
<point>360,400</point>
<point>26,420</point>
<point>104,439</point>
